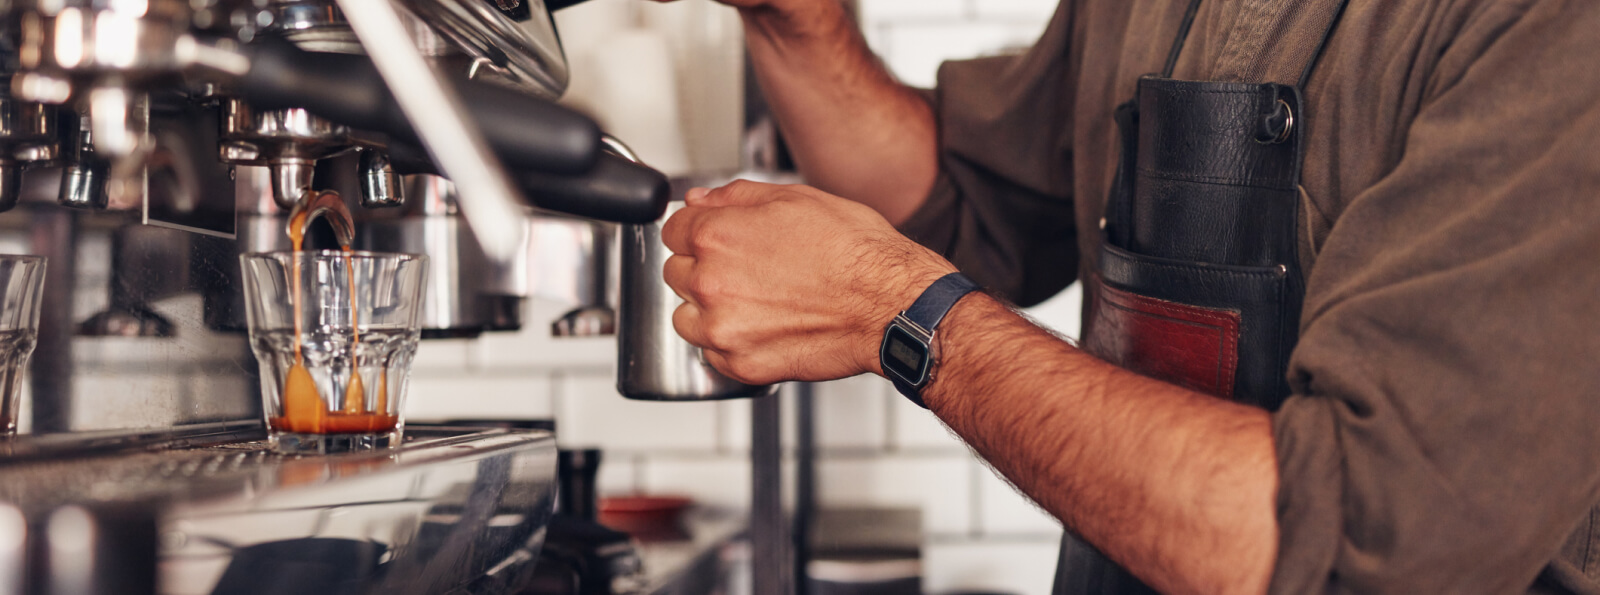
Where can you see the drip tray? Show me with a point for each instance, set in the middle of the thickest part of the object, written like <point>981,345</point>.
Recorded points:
<point>211,510</point>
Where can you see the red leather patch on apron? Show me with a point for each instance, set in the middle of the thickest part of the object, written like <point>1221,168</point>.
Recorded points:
<point>1193,347</point>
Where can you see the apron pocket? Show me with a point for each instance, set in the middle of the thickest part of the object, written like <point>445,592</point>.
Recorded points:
<point>1196,348</point>
<point>1187,220</point>
<point>1222,330</point>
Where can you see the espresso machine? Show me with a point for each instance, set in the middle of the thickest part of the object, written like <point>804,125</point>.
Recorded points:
<point>144,145</point>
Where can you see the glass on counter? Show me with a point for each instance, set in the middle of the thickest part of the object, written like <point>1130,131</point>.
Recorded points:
<point>21,288</point>
<point>334,333</point>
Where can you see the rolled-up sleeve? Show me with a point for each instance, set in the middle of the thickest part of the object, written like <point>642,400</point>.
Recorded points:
<point>1002,208</point>
<point>1445,436</point>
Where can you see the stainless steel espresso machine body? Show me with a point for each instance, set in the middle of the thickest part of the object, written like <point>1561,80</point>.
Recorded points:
<point>145,144</point>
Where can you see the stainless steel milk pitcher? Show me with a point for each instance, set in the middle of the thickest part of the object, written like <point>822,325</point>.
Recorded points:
<point>654,363</point>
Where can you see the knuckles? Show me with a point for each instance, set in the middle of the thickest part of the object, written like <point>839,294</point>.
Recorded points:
<point>711,236</point>
<point>705,288</point>
<point>722,334</point>
<point>748,370</point>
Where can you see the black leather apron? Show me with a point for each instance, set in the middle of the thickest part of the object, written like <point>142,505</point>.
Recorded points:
<point>1199,282</point>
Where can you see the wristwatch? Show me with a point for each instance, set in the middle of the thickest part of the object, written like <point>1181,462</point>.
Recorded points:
<point>907,353</point>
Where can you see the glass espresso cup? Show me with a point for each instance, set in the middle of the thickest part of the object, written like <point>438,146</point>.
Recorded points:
<point>334,334</point>
<point>21,286</point>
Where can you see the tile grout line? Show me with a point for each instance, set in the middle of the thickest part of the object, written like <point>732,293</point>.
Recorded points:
<point>719,424</point>
<point>639,474</point>
<point>891,433</point>
<point>559,409</point>
<point>976,528</point>
<point>1023,538</point>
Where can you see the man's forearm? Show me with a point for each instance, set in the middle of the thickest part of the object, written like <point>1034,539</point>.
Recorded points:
<point>1176,486</point>
<point>853,129</point>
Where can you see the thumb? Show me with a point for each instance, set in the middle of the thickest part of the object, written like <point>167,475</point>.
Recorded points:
<point>738,193</point>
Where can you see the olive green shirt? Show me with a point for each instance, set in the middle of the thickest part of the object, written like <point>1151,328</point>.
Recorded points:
<point>1444,435</point>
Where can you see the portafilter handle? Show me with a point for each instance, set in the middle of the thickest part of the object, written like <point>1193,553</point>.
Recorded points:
<point>527,133</point>
<point>620,188</point>
<point>615,189</point>
<point>552,154</point>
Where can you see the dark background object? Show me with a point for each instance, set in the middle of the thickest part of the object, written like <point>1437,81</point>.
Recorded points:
<point>298,566</point>
<point>576,471</point>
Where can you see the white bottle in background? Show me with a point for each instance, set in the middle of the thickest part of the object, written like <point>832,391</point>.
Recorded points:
<point>708,43</point>
<point>667,79</point>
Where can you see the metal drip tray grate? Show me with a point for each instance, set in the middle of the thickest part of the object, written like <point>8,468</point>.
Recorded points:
<point>184,463</point>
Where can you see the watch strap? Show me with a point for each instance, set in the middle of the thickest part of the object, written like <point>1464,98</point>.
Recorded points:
<point>911,393</point>
<point>927,312</point>
<point>938,299</point>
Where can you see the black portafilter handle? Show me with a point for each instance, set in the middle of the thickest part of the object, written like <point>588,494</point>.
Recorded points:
<point>576,471</point>
<point>527,133</point>
<point>615,189</point>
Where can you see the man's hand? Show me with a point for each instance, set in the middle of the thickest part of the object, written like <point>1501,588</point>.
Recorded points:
<point>853,130</point>
<point>789,282</point>
<point>740,3</point>
<point>789,16</point>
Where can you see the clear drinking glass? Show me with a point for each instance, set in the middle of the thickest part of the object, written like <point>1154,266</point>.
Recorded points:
<point>21,285</point>
<point>334,333</point>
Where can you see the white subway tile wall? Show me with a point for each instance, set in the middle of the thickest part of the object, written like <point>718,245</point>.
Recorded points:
<point>942,486</point>
<point>989,565</point>
<point>591,414</point>
<point>719,480</point>
<point>875,448</point>
<point>437,394</point>
<point>914,429</point>
<point>854,414</point>
<point>1003,511</point>
<point>914,36</point>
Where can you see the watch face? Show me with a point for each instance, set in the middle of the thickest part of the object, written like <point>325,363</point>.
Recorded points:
<point>904,355</point>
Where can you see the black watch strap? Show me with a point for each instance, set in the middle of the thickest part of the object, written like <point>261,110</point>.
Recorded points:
<point>930,309</point>
<point>937,300</point>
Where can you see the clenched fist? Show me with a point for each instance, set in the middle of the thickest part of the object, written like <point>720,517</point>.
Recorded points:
<point>789,282</point>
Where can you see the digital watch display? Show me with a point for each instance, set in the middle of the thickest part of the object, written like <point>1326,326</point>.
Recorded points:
<point>905,352</point>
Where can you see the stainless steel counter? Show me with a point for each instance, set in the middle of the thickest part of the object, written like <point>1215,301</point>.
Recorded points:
<point>713,559</point>
<point>452,508</point>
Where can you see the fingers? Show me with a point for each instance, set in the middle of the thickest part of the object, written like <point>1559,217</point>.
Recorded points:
<point>679,231</point>
<point>749,369</point>
<point>686,230</point>
<point>737,193</point>
<point>720,362</point>
<point>677,273</point>
<point>696,197</point>
<point>688,321</point>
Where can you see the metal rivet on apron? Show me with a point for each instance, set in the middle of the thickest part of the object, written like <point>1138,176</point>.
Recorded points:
<point>1269,122</point>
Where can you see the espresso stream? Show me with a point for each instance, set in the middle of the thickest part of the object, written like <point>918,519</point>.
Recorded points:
<point>304,411</point>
